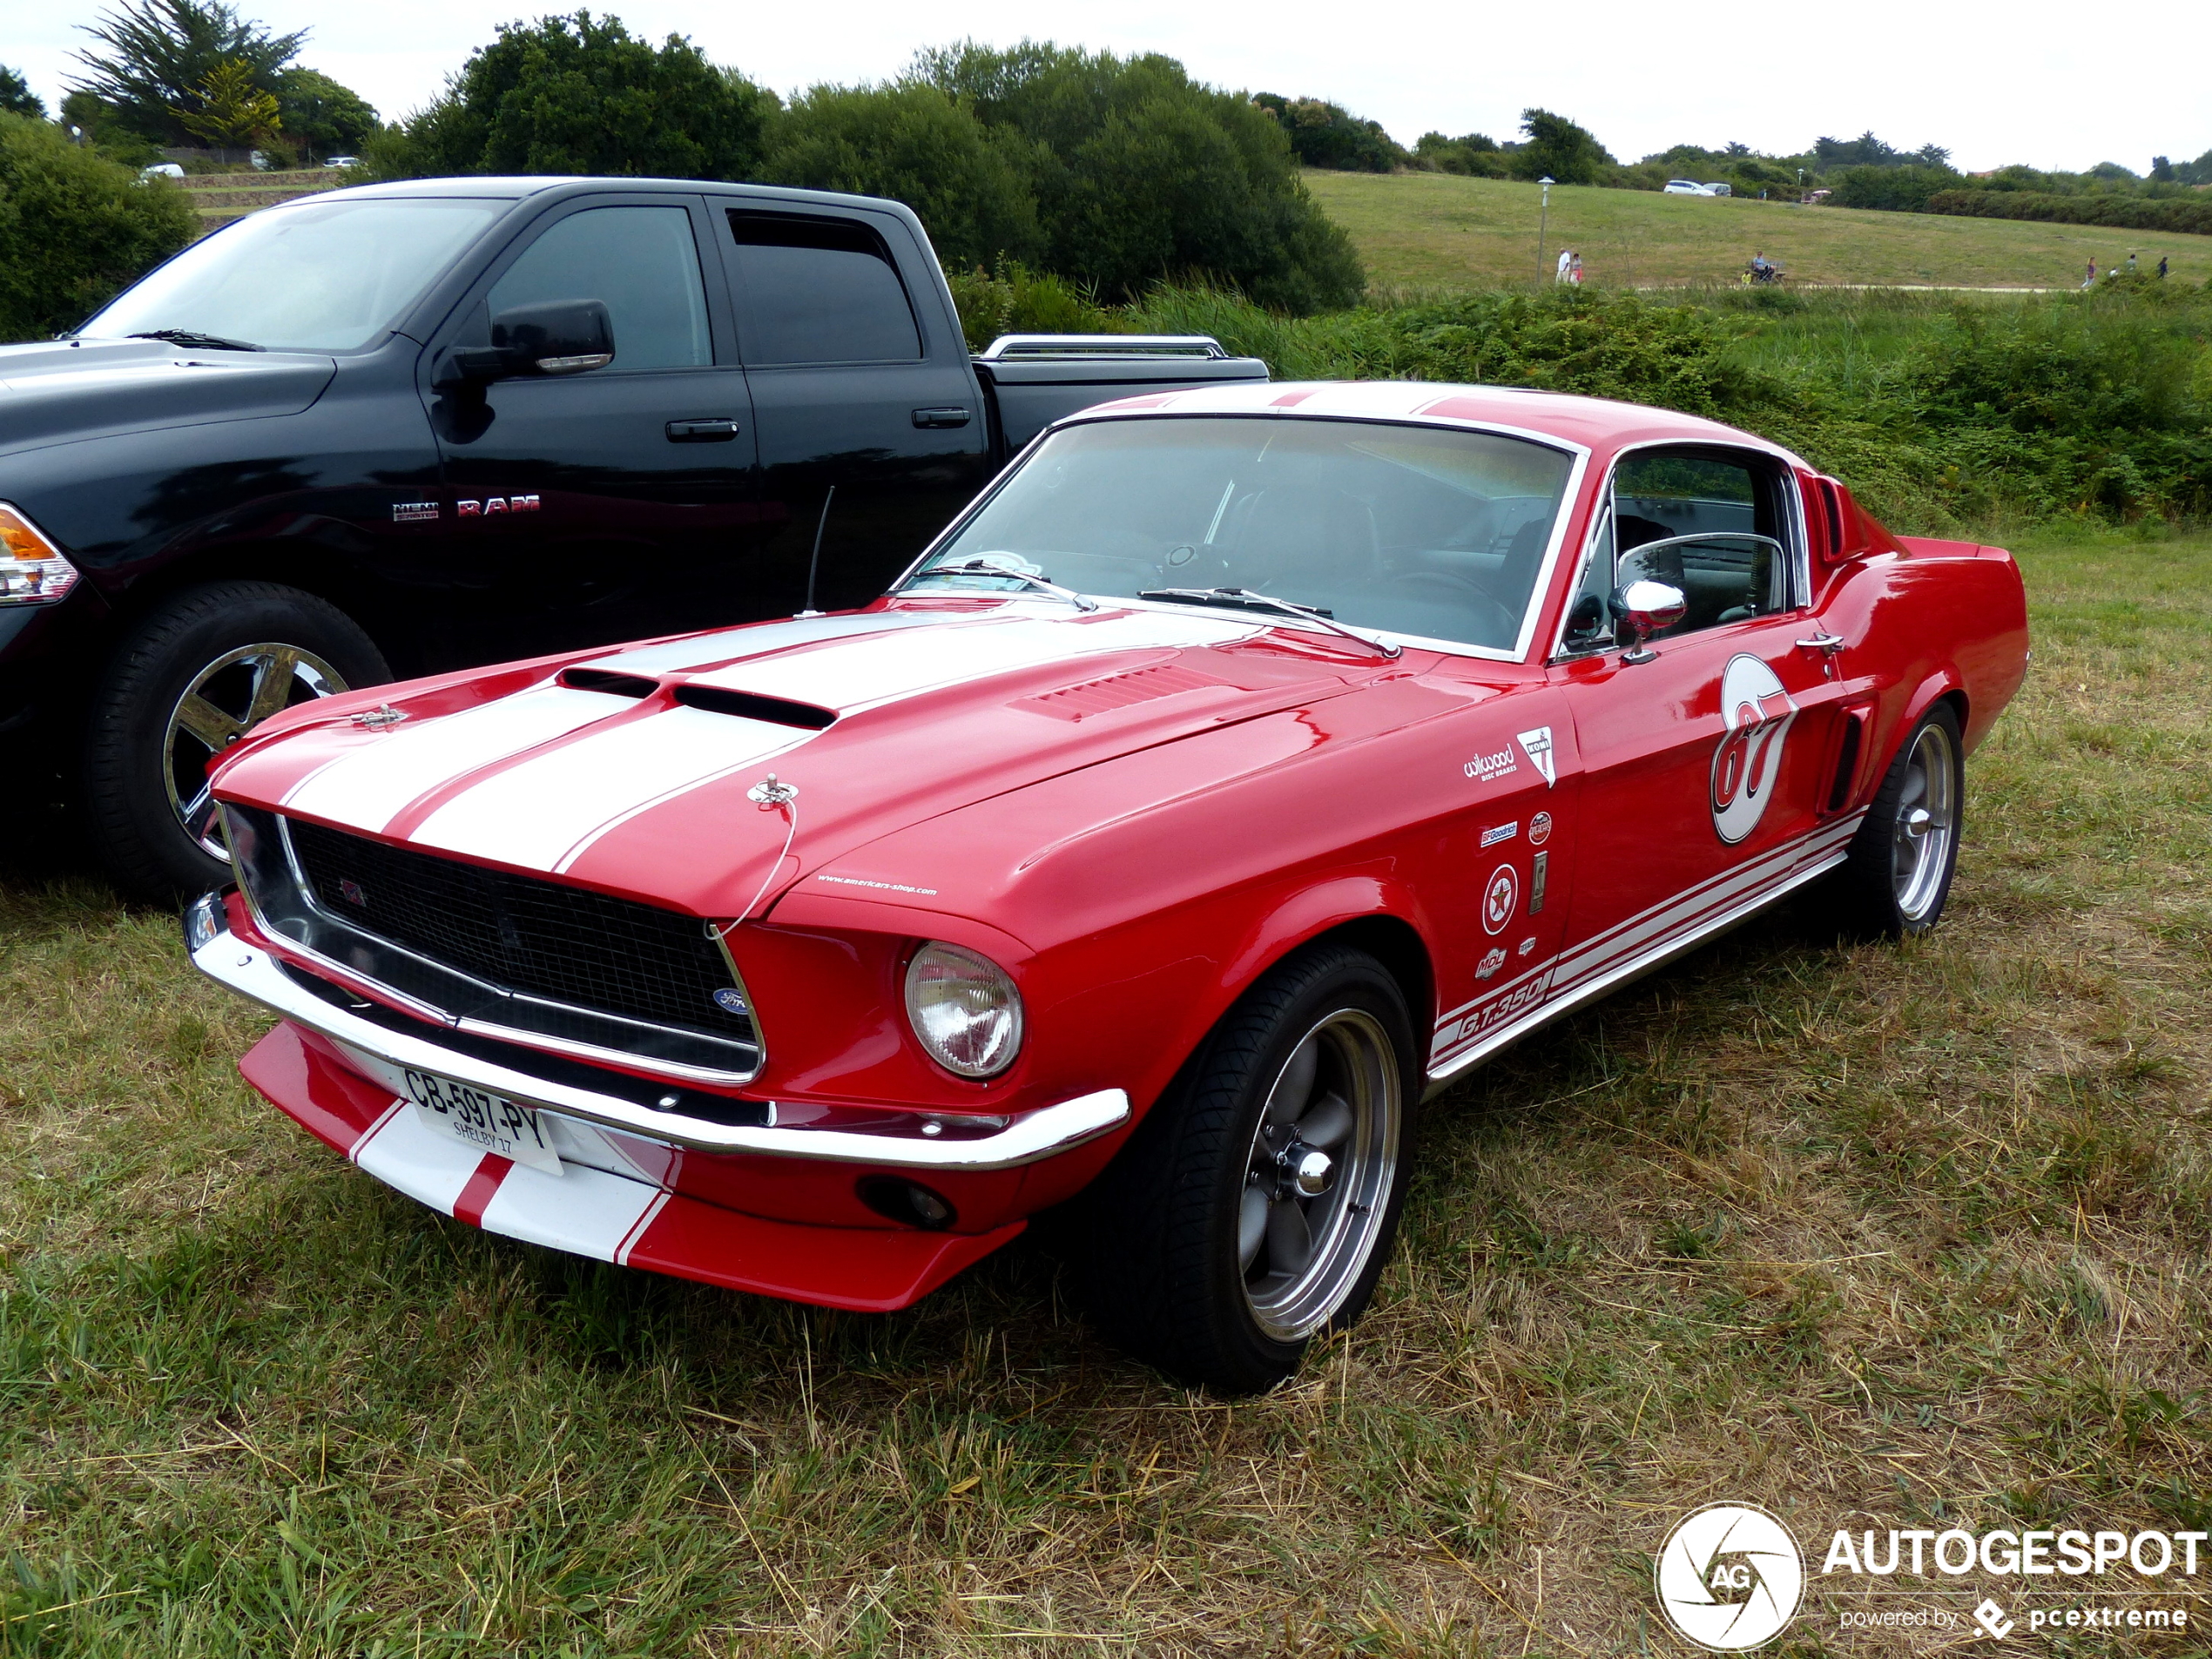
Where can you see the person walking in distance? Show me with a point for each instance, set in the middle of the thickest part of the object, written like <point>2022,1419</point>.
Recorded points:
<point>1566,264</point>
<point>2089,277</point>
<point>1575,272</point>
<point>2161,267</point>
<point>2131,264</point>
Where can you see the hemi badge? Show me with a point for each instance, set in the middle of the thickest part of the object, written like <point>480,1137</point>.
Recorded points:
<point>410,512</point>
<point>1502,833</point>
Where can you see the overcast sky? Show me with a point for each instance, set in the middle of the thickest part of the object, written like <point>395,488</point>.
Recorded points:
<point>2030,81</point>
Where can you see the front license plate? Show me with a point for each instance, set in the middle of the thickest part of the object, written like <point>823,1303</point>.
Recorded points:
<point>488,1123</point>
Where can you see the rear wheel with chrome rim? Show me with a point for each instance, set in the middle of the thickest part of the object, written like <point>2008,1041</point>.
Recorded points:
<point>1254,1207</point>
<point>192,679</point>
<point>1898,873</point>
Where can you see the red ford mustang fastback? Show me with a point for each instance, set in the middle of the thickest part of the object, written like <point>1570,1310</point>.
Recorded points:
<point>1243,768</point>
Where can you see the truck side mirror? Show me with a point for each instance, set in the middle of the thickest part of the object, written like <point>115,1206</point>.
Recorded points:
<point>553,337</point>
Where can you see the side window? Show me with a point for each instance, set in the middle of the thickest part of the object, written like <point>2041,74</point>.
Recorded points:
<point>642,262</point>
<point>820,291</point>
<point>1713,526</point>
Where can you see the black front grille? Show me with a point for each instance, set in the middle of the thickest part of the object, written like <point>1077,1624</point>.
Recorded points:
<point>565,944</point>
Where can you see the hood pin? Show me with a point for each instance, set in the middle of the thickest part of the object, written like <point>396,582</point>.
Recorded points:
<point>771,793</point>
<point>378,717</point>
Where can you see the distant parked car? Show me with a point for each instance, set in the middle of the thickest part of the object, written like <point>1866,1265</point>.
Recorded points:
<point>1813,197</point>
<point>343,161</point>
<point>1717,188</point>
<point>162,170</point>
<point>1683,187</point>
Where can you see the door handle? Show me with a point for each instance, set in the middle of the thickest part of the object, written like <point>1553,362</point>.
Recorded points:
<point>718,429</point>
<point>941,418</point>
<point>1823,641</point>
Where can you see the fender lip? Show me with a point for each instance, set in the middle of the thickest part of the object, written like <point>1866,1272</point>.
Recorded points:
<point>252,972</point>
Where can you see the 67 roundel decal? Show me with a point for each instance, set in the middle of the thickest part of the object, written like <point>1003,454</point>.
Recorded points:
<point>1758,713</point>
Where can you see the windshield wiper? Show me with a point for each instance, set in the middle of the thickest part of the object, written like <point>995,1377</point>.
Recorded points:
<point>193,337</point>
<point>981,566</point>
<point>1245,599</point>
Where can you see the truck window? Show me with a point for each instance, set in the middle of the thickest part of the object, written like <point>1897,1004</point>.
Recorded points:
<point>820,291</point>
<point>642,262</point>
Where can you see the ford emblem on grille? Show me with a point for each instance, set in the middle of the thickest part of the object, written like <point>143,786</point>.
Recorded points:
<point>729,999</point>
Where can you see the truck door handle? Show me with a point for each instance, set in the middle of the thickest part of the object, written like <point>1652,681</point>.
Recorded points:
<point>718,429</point>
<point>1824,642</point>
<point>941,417</point>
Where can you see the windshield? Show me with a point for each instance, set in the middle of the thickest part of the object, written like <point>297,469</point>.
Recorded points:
<point>323,276</point>
<point>1423,531</point>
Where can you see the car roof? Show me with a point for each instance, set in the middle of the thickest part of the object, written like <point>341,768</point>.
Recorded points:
<point>1587,422</point>
<point>500,187</point>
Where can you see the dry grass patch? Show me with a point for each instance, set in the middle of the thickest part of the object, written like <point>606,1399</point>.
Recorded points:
<point>1870,1236</point>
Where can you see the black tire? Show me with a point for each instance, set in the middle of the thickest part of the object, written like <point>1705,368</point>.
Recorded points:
<point>136,765</point>
<point>1159,1255</point>
<point>1897,876</point>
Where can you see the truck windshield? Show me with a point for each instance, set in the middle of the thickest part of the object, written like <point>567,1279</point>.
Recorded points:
<point>322,276</point>
<point>1428,532</point>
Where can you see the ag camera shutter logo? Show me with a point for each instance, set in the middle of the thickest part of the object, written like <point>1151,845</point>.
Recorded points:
<point>1729,1577</point>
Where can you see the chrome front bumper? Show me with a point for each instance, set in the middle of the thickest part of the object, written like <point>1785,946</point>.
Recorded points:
<point>253,973</point>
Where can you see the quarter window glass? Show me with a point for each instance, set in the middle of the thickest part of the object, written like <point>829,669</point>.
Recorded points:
<point>642,262</point>
<point>820,291</point>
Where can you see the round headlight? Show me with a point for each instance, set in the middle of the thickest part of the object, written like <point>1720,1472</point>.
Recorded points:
<point>965,1009</point>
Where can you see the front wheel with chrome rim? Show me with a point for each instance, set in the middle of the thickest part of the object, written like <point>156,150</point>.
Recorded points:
<point>1254,1207</point>
<point>192,679</point>
<point>1897,876</point>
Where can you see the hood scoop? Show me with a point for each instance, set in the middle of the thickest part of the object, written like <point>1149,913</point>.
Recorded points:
<point>601,679</point>
<point>751,705</point>
<point>1119,691</point>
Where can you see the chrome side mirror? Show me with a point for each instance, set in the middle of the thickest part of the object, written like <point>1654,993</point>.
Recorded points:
<point>1648,608</point>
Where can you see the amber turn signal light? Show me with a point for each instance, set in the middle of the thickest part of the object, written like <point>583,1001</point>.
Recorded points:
<point>32,569</point>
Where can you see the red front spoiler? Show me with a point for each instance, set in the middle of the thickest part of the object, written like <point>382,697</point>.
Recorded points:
<point>635,1222</point>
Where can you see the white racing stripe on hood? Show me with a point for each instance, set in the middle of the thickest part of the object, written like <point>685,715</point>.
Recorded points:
<point>853,675</point>
<point>677,655</point>
<point>371,786</point>
<point>544,813</point>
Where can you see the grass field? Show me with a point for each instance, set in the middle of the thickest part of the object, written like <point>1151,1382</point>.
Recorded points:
<point>1427,230</point>
<point>1868,1235</point>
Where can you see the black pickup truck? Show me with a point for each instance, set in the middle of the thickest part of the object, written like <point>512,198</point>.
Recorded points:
<point>386,431</point>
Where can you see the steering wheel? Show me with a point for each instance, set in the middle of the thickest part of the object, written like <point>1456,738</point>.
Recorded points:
<point>1459,591</point>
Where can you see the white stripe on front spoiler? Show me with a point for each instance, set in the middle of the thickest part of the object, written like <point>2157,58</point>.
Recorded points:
<point>374,783</point>
<point>542,814</point>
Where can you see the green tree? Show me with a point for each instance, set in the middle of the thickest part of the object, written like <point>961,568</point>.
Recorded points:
<point>153,56</point>
<point>1475,154</point>
<point>1327,135</point>
<point>1558,149</point>
<point>16,98</point>
<point>1140,173</point>
<point>322,116</point>
<point>78,227</point>
<point>913,144</point>
<point>232,111</point>
<point>581,95</point>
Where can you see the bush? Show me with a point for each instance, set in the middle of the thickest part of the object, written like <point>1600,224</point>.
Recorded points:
<point>1558,149</point>
<point>79,228</point>
<point>1020,301</point>
<point>579,95</point>
<point>1326,135</point>
<point>1474,154</point>
<point>912,143</point>
<point>1897,189</point>
<point>2187,216</point>
<point>1142,174</point>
